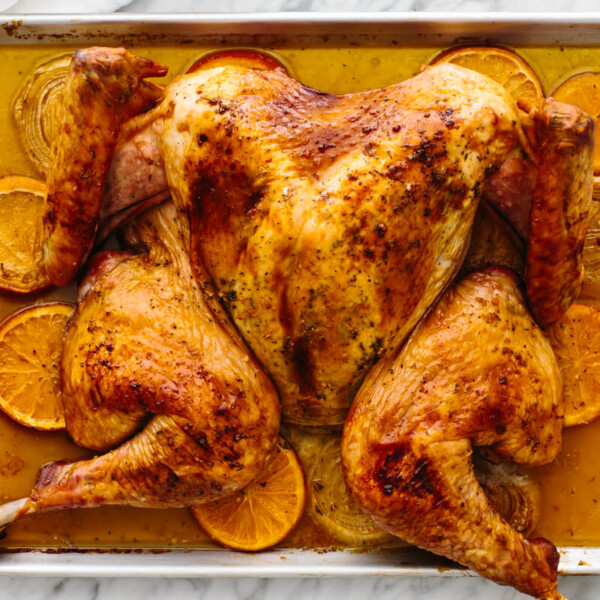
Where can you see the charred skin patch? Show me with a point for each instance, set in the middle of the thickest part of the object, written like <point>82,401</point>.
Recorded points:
<point>402,474</point>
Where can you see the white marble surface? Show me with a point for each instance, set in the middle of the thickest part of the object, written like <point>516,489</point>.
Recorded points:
<point>575,588</point>
<point>170,6</point>
<point>277,589</point>
<point>470,588</point>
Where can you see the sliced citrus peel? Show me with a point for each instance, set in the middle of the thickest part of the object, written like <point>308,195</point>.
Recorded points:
<point>244,58</point>
<point>22,268</point>
<point>264,512</point>
<point>35,109</point>
<point>583,90</point>
<point>30,349</point>
<point>503,66</point>
<point>590,293</point>
<point>576,343</point>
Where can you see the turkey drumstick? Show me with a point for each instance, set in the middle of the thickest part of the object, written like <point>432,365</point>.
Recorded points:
<point>144,348</point>
<point>476,372</point>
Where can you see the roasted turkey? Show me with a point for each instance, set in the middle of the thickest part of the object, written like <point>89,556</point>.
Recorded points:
<point>327,227</point>
<point>146,350</point>
<point>330,224</point>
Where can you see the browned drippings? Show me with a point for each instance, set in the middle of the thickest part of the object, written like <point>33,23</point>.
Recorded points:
<point>571,485</point>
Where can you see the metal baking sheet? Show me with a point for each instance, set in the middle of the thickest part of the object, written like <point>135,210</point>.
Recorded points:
<point>284,563</point>
<point>287,29</point>
<point>297,29</point>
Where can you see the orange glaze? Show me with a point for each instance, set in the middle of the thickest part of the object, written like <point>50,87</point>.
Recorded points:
<point>571,485</point>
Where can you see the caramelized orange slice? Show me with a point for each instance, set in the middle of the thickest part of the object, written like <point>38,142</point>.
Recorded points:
<point>264,512</point>
<point>30,348</point>
<point>244,58</point>
<point>583,90</point>
<point>576,342</point>
<point>590,293</point>
<point>21,233</point>
<point>501,65</point>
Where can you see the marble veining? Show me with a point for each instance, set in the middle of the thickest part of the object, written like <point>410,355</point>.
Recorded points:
<point>277,589</point>
<point>170,6</point>
<point>471,588</point>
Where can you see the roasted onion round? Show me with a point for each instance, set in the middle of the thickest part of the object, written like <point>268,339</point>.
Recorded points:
<point>329,502</point>
<point>35,109</point>
<point>511,492</point>
<point>590,293</point>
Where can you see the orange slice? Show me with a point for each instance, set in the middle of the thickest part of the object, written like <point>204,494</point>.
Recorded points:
<point>576,342</point>
<point>264,512</point>
<point>583,91</point>
<point>501,65</point>
<point>590,292</point>
<point>30,348</point>
<point>243,58</point>
<point>22,266</point>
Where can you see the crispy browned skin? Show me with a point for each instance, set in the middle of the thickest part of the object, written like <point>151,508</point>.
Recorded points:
<point>330,224</point>
<point>560,209</point>
<point>104,88</point>
<point>136,181</point>
<point>99,264</point>
<point>476,372</point>
<point>144,346</point>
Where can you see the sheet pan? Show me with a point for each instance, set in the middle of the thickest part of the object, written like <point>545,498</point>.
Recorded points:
<point>286,29</point>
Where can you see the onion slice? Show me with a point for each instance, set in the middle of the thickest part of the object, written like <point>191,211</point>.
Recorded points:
<point>330,504</point>
<point>511,492</point>
<point>35,109</point>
